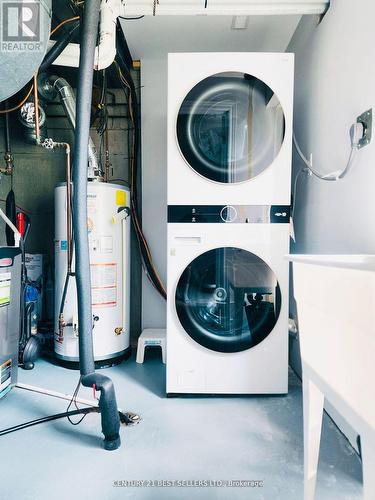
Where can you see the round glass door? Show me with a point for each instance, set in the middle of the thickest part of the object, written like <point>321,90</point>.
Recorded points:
<point>230,127</point>
<point>228,300</point>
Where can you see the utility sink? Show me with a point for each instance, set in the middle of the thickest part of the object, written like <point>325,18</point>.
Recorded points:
<point>335,296</point>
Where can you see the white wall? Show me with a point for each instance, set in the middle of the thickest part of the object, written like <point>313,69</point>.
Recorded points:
<point>335,82</point>
<point>154,182</point>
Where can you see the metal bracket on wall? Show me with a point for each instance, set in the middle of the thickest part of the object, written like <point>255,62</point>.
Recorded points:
<point>366,120</point>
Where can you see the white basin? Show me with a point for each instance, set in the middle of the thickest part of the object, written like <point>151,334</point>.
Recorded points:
<point>335,296</point>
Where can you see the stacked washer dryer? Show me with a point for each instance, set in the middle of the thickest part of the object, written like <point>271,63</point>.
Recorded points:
<point>229,176</point>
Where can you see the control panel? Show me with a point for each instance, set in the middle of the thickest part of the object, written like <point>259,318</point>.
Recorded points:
<point>229,214</point>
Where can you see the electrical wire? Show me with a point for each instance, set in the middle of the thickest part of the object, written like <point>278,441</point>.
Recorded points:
<point>31,423</point>
<point>145,252</point>
<point>333,176</point>
<point>74,401</point>
<point>126,418</point>
<point>69,20</point>
<point>3,111</point>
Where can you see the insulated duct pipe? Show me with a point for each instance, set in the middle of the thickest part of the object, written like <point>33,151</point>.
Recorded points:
<point>105,52</point>
<point>58,47</point>
<point>107,401</point>
<point>68,100</point>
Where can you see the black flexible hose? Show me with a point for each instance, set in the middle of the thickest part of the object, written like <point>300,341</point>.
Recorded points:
<point>107,402</point>
<point>58,47</point>
<point>126,418</point>
<point>42,420</point>
<point>11,213</point>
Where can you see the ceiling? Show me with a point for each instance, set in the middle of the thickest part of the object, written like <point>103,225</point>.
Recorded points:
<point>153,37</point>
<point>223,7</point>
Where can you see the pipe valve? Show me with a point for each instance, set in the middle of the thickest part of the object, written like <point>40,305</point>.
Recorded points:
<point>9,164</point>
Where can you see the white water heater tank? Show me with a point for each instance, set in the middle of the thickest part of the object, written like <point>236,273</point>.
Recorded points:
<point>109,240</point>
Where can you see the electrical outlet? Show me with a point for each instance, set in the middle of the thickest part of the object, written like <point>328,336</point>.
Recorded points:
<point>366,120</point>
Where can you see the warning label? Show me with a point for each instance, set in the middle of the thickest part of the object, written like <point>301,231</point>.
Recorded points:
<point>5,281</point>
<point>104,284</point>
<point>5,377</point>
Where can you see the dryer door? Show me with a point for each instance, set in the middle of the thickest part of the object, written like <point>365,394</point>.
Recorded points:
<point>230,127</point>
<point>228,299</point>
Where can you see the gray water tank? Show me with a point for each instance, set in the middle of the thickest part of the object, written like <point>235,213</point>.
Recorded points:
<point>24,35</point>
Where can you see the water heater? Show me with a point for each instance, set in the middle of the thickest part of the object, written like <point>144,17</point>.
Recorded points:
<point>109,240</point>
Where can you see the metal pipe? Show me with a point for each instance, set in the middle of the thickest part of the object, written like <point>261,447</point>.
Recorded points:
<point>8,157</point>
<point>60,395</point>
<point>68,209</point>
<point>68,100</point>
<point>51,144</point>
<point>36,108</point>
<point>107,402</point>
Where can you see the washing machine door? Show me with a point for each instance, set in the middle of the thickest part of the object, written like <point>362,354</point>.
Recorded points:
<point>228,299</point>
<point>230,127</point>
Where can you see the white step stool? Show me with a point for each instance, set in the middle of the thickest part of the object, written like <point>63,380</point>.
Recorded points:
<point>152,337</point>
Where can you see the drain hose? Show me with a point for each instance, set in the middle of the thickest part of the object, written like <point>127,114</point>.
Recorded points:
<point>108,405</point>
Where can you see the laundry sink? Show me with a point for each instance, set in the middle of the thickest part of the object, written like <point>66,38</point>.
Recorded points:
<point>335,296</point>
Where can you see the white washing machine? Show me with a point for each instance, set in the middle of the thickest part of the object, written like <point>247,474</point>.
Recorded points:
<point>230,128</point>
<point>227,305</point>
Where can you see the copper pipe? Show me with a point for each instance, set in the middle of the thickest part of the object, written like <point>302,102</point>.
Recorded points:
<point>17,106</point>
<point>75,18</point>
<point>36,106</point>
<point>68,208</point>
<point>51,144</point>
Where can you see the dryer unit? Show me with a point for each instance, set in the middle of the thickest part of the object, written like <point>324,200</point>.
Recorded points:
<point>230,128</point>
<point>227,306</point>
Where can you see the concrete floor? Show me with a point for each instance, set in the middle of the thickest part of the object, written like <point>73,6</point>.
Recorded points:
<point>205,438</point>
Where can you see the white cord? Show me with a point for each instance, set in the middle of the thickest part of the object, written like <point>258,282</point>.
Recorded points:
<point>332,176</point>
<point>356,133</point>
<point>295,191</point>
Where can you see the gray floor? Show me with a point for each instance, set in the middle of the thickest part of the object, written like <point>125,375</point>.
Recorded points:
<point>245,438</point>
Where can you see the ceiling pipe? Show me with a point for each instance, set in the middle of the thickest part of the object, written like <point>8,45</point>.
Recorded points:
<point>110,10</point>
<point>105,51</point>
<point>58,47</point>
<point>225,7</point>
